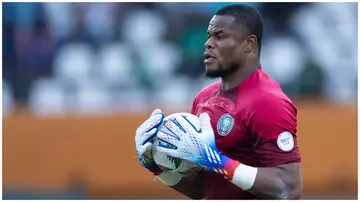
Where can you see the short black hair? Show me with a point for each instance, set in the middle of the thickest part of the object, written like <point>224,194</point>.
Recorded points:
<point>246,16</point>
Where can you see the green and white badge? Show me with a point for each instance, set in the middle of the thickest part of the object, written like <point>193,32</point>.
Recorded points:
<point>225,124</point>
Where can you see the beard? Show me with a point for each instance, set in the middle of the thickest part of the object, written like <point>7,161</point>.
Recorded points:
<point>222,72</point>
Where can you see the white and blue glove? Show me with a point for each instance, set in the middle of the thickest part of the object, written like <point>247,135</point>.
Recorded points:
<point>143,141</point>
<point>197,146</point>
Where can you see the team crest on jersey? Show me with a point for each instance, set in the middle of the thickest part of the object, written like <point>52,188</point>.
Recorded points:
<point>225,124</point>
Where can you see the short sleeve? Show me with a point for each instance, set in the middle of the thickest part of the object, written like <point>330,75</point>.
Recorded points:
<point>193,108</point>
<point>273,122</point>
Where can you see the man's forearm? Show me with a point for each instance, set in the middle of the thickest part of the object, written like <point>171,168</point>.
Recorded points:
<point>280,182</point>
<point>270,186</point>
<point>274,183</point>
<point>191,186</point>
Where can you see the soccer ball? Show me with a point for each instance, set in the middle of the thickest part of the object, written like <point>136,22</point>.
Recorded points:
<point>169,163</point>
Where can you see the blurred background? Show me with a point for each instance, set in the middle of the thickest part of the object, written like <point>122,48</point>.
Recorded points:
<point>79,78</point>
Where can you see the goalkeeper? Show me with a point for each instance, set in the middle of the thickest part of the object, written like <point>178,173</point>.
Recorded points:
<point>247,143</point>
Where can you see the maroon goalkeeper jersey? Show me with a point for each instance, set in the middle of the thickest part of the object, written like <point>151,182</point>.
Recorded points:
<point>254,123</point>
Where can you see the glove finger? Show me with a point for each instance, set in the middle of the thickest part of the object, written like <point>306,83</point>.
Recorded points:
<point>153,122</point>
<point>174,128</point>
<point>148,136</point>
<point>147,156</point>
<point>147,147</point>
<point>168,151</point>
<point>156,111</point>
<point>168,140</point>
<point>205,123</point>
<point>141,151</point>
<point>144,154</point>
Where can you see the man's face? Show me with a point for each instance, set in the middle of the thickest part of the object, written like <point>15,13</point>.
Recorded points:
<point>225,46</point>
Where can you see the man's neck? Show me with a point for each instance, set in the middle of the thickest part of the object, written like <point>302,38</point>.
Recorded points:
<point>239,76</point>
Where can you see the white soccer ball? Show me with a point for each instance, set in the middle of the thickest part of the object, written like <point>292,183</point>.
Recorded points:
<point>169,163</point>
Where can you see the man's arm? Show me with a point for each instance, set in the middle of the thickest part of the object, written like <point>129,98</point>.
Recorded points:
<point>280,182</point>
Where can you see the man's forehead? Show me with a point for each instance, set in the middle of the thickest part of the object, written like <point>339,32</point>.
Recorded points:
<point>222,21</point>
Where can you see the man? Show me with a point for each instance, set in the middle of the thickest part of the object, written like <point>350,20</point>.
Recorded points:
<point>253,121</point>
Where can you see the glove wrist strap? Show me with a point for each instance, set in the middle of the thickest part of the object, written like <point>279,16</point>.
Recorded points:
<point>240,174</point>
<point>244,176</point>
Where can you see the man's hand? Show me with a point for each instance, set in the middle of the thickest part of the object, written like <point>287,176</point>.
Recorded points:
<point>196,146</point>
<point>143,140</point>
